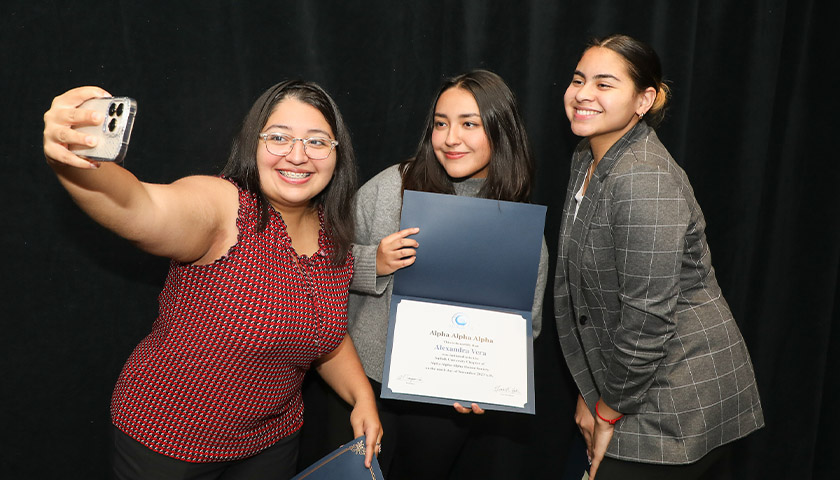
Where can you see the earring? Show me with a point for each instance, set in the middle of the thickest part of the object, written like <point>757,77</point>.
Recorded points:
<point>640,115</point>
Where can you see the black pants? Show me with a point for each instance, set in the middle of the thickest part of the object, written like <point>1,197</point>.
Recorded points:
<point>711,467</point>
<point>132,460</point>
<point>426,441</point>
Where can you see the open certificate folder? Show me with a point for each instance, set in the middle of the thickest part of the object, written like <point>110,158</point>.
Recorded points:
<point>344,463</point>
<point>460,320</point>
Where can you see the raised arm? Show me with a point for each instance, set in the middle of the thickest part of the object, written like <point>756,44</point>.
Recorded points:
<point>188,220</point>
<point>379,248</point>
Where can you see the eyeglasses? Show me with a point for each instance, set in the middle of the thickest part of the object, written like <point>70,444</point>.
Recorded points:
<point>280,144</point>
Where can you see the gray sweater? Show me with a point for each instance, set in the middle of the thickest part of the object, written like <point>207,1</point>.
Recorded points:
<point>378,205</point>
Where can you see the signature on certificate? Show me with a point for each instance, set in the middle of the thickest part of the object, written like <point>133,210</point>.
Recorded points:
<point>506,391</point>
<point>409,379</point>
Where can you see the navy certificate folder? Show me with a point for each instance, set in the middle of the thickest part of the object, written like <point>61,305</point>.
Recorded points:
<point>476,253</point>
<point>345,463</point>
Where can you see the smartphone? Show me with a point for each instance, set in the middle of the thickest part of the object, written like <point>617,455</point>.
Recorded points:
<point>114,132</point>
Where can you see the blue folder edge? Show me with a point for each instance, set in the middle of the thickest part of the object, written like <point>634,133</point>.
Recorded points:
<point>346,462</point>
<point>465,243</point>
<point>460,241</point>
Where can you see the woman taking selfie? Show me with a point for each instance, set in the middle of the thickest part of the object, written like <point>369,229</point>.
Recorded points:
<point>256,292</point>
<point>665,379</point>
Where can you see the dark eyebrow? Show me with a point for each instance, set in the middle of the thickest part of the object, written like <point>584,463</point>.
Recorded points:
<point>600,76</point>
<point>463,115</point>
<point>308,132</point>
<point>317,130</point>
<point>607,75</point>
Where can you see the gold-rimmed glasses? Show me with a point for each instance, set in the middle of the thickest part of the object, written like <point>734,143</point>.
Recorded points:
<point>280,144</point>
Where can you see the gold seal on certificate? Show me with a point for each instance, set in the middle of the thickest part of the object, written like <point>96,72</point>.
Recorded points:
<point>460,319</point>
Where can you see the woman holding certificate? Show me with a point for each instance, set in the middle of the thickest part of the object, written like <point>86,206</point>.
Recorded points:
<point>665,379</point>
<point>474,144</point>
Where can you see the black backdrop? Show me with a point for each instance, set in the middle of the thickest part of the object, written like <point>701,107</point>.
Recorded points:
<point>751,122</point>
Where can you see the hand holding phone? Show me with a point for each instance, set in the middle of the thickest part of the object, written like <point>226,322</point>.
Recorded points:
<point>114,132</point>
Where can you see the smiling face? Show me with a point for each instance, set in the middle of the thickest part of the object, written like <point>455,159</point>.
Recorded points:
<point>293,180</point>
<point>602,102</point>
<point>458,137</point>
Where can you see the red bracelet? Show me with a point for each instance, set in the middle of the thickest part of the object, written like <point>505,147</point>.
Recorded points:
<point>611,422</point>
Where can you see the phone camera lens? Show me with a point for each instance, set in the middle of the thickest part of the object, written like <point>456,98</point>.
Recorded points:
<point>112,125</point>
<point>120,109</point>
<point>111,109</point>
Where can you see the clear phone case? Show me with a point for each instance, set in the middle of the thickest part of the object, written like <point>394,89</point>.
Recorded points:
<point>113,133</point>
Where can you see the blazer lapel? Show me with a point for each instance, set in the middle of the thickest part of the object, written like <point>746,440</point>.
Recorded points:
<point>594,191</point>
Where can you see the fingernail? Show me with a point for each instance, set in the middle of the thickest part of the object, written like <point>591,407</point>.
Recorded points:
<point>90,140</point>
<point>96,117</point>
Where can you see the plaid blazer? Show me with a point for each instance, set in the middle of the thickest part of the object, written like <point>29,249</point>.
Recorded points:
<point>640,315</point>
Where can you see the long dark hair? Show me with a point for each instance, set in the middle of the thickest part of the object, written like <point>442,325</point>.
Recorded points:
<point>511,168</point>
<point>337,197</point>
<point>644,68</point>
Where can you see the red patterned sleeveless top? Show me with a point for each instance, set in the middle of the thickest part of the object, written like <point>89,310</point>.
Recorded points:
<point>219,377</point>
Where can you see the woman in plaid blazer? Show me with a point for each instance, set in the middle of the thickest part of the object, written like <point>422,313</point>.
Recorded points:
<point>664,375</point>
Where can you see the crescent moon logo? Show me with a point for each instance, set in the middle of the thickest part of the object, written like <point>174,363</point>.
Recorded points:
<point>460,320</point>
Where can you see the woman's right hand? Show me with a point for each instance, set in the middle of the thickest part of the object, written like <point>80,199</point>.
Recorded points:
<point>586,423</point>
<point>396,251</point>
<point>59,120</point>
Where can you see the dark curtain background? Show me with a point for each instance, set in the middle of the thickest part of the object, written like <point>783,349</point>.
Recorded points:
<point>752,122</point>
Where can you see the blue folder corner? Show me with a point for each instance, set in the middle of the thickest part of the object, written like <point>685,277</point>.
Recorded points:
<point>345,463</point>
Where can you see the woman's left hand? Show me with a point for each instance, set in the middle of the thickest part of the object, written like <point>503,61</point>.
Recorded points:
<point>365,421</point>
<point>474,408</point>
<point>342,371</point>
<point>600,440</point>
<point>601,436</point>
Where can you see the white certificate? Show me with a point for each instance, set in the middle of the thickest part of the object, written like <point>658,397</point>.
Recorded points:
<point>449,351</point>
